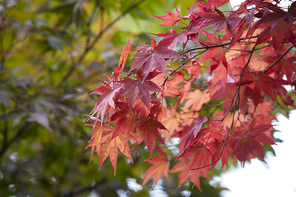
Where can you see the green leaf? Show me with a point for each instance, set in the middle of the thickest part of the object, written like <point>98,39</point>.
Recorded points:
<point>55,42</point>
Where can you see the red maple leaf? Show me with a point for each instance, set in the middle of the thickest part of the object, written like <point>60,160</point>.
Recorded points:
<point>215,53</point>
<point>191,133</point>
<point>173,37</point>
<point>107,92</point>
<point>153,55</point>
<point>248,140</point>
<point>160,165</point>
<point>139,87</point>
<point>262,83</point>
<point>275,23</point>
<point>216,148</point>
<point>148,129</point>
<point>171,122</point>
<point>181,167</point>
<point>170,18</point>
<point>193,69</point>
<point>172,87</point>
<point>217,3</point>
<point>220,21</point>
<point>200,156</point>
<point>126,120</point>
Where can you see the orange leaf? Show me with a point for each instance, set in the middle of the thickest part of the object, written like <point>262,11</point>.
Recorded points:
<point>196,99</point>
<point>200,157</point>
<point>96,138</point>
<point>160,165</point>
<point>171,122</point>
<point>110,147</point>
<point>124,54</point>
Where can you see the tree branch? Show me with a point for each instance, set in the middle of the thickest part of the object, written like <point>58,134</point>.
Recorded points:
<point>76,191</point>
<point>14,138</point>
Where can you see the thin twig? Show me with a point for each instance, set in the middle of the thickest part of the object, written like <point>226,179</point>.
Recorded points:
<point>14,138</point>
<point>233,101</point>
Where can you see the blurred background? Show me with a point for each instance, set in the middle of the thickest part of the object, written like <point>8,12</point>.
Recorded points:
<point>52,53</point>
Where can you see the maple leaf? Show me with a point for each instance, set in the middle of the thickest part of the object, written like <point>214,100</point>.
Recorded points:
<point>158,109</point>
<point>276,23</point>
<point>200,156</point>
<point>196,99</point>
<point>262,83</point>
<point>216,53</point>
<point>122,60</point>
<point>181,167</point>
<point>171,122</point>
<point>148,129</point>
<point>160,165</point>
<point>153,55</point>
<point>218,3</point>
<point>110,147</point>
<point>170,18</point>
<point>246,142</point>
<point>173,37</point>
<point>140,87</point>
<point>192,132</point>
<point>126,120</point>
<point>216,147</point>
<point>105,101</point>
<point>285,67</point>
<point>171,87</point>
<point>220,21</point>
<point>193,69</point>
<point>96,138</point>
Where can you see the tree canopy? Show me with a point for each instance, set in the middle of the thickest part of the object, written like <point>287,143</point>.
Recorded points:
<point>182,89</point>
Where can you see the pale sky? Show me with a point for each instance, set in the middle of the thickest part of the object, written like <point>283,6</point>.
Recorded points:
<point>274,178</point>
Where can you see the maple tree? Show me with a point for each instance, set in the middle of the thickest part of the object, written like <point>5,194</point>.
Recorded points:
<point>212,82</point>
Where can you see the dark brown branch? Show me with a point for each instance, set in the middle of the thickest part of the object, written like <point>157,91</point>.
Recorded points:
<point>213,46</point>
<point>14,138</point>
<point>274,63</point>
<point>81,190</point>
<point>281,57</point>
<point>185,62</point>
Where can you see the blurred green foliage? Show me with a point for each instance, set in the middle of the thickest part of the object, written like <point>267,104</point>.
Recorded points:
<point>52,53</point>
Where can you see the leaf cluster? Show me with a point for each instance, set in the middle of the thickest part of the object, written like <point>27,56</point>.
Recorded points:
<point>215,92</point>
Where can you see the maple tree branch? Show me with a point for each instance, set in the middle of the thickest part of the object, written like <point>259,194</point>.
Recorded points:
<point>77,191</point>
<point>274,63</point>
<point>185,62</point>
<point>281,57</point>
<point>213,46</point>
<point>235,99</point>
<point>222,149</point>
<point>206,108</point>
<point>97,38</point>
<point>14,138</point>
